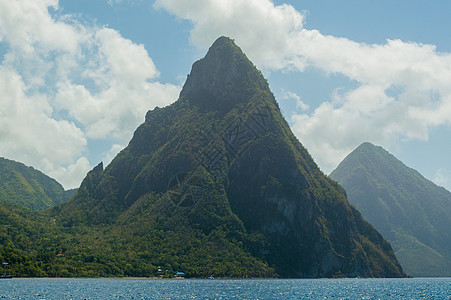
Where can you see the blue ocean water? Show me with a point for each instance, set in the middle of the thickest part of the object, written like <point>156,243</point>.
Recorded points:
<point>411,288</point>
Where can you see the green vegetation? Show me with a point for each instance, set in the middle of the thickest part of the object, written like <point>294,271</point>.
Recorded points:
<point>28,187</point>
<point>214,184</point>
<point>410,211</point>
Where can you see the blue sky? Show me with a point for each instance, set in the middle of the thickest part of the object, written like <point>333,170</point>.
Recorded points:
<point>77,76</point>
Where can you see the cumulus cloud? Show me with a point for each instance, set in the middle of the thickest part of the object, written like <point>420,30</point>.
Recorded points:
<point>371,112</point>
<point>111,154</point>
<point>274,37</point>
<point>28,132</point>
<point>24,24</point>
<point>443,177</point>
<point>122,73</point>
<point>64,83</point>
<point>69,176</point>
<point>287,95</point>
<point>264,30</point>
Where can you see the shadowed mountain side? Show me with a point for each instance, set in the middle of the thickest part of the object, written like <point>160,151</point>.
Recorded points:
<point>410,211</point>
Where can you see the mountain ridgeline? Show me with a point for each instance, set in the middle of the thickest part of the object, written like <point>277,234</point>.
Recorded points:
<point>410,211</point>
<point>217,184</point>
<point>27,187</point>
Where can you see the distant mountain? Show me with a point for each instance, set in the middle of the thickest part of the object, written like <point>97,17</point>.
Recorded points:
<point>28,187</point>
<point>410,211</point>
<point>217,184</point>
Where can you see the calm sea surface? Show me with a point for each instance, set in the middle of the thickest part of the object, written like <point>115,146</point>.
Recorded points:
<point>412,288</point>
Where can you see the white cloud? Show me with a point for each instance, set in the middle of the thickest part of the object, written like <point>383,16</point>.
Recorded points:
<point>28,132</point>
<point>111,154</point>
<point>263,30</point>
<point>274,37</point>
<point>287,95</point>
<point>443,178</point>
<point>64,83</point>
<point>28,27</point>
<point>125,62</point>
<point>70,176</point>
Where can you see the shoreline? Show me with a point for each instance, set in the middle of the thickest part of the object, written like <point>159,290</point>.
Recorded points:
<point>228,278</point>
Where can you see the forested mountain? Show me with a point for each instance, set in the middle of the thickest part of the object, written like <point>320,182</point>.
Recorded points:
<point>214,184</point>
<point>217,183</point>
<point>410,211</point>
<point>28,187</point>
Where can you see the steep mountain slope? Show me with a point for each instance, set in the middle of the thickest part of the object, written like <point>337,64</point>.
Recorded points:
<point>410,211</point>
<point>216,183</point>
<point>28,187</point>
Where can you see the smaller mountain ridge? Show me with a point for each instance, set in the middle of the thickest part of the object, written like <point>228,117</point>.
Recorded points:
<point>410,211</point>
<point>28,187</point>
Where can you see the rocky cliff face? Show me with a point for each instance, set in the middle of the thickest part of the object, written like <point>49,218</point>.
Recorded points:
<point>221,170</point>
<point>223,78</point>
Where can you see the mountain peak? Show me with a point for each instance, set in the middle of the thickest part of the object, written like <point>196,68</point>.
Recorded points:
<point>406,208</point>
<point>224,77</point>
<point>221,172</point>
<point>369,152</point>
<point>367,146</point>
